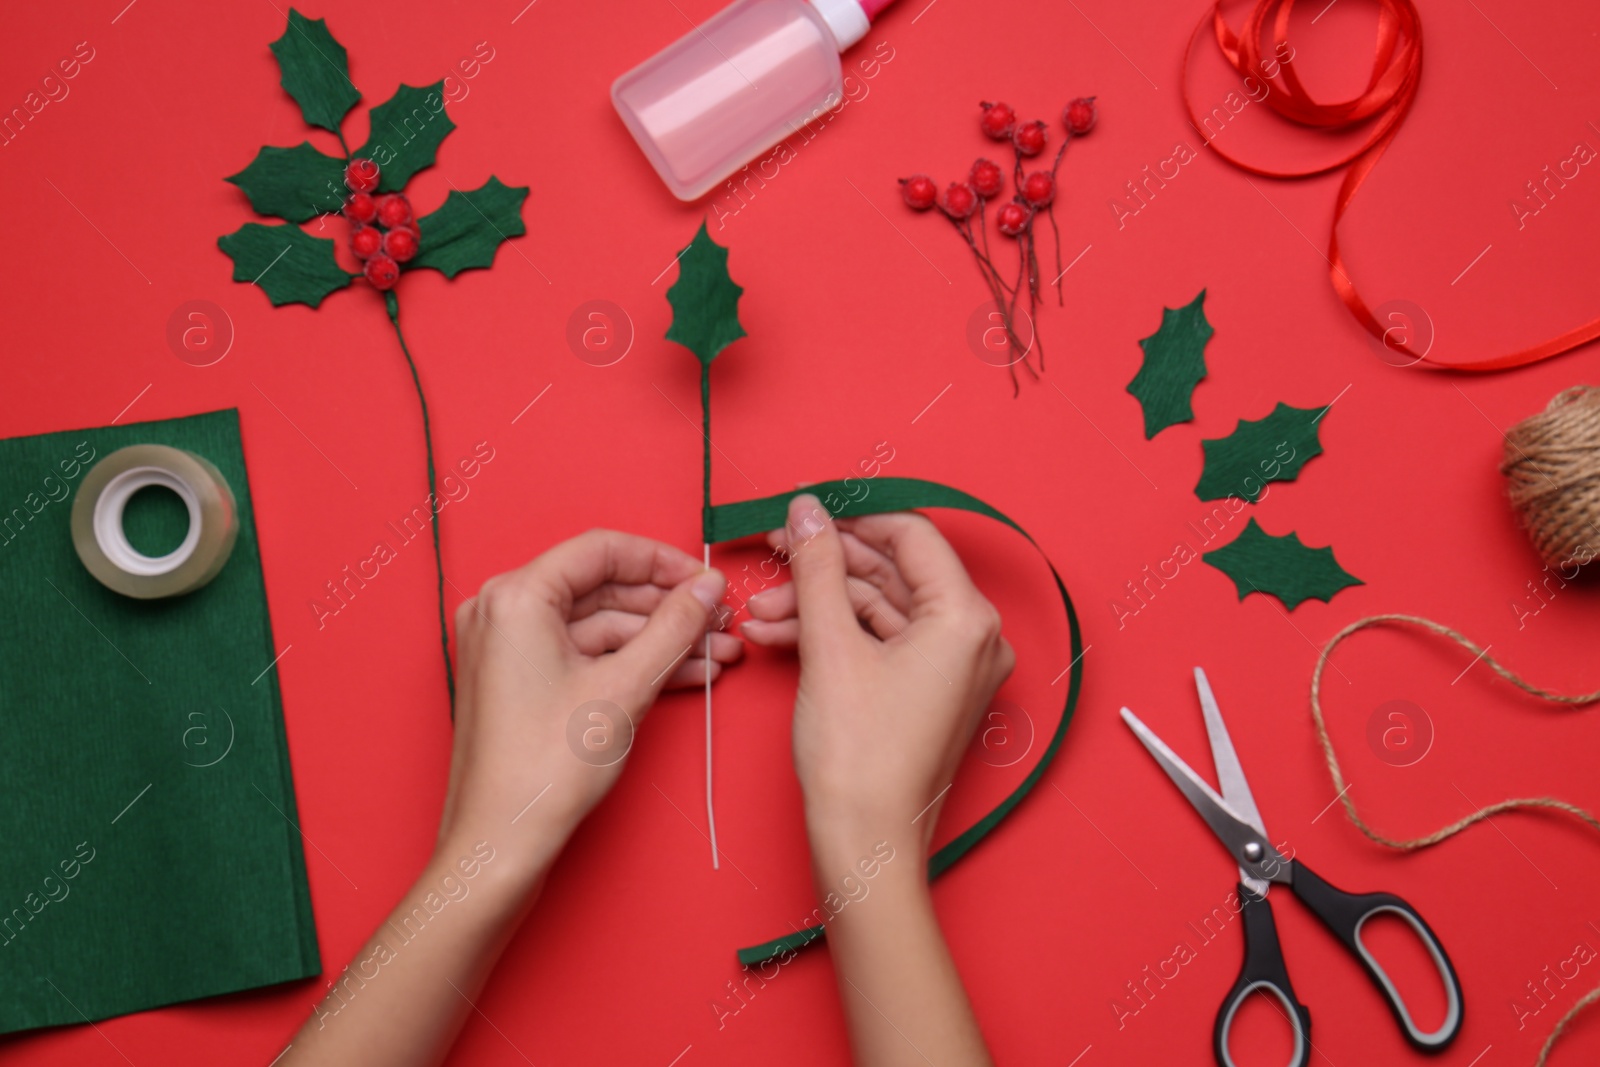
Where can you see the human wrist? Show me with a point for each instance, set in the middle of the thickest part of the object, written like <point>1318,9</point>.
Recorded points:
<point>503,865</point>
<point>838,828</point>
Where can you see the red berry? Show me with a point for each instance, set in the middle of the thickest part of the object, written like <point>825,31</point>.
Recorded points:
<point>394,210</point>
<point>960,200</point>
<point>919,192</point>
<point>382,271</point>
<point>361,175</point>
<point>1013,218</point>
<point>1029,138</point>
<point>1039,188</point>
<point>365,241</point>
<point>997,120</point>
<point>1079,116</point>
<point>987,178</point>
<point>400,244</point>
<point>360,207</point>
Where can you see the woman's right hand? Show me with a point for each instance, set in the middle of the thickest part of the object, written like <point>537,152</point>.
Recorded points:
<point>899,656</point>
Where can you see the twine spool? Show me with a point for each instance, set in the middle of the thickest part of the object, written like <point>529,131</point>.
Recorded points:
<point>1552,465</point>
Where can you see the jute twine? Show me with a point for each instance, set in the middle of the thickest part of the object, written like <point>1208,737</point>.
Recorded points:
<point>1414,843</point>
<point>1552,465</point>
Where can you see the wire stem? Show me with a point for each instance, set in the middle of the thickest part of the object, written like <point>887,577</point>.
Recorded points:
<point>393,304</point>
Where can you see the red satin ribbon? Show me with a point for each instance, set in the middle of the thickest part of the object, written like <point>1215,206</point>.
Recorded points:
<point>1396,72</point>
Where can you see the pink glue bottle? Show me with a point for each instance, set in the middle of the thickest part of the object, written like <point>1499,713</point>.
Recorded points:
<point>723,93</point>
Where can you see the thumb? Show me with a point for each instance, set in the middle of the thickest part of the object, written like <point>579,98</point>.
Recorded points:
<point>816,559</point>
<point>675,626</point>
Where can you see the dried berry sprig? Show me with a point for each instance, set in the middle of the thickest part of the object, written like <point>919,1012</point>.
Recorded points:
<point>965,205</point>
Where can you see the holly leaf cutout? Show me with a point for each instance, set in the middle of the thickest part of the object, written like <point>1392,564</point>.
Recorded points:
<point>296,183</point>
<point>316,71</point>
<point>468,229</point>
<point>406,131</point>
<point>704,299</point>
<point>1174,363</point>
<point>1272,449</point>
<point>290,265</point>
<point>1260,563</point>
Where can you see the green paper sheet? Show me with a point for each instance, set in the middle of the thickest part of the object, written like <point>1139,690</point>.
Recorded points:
<point>151,854</point>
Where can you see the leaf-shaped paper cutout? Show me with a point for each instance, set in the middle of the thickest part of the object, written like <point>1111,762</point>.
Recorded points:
<point>1283,566</point>
<point>316,71</point>
<point>296,183</point>
<point>290,265</point>
<point>1174,363</point>
<point>465,232</point>
<point>406,132</point>
<point>1272,449</point>
<point>704,299</point>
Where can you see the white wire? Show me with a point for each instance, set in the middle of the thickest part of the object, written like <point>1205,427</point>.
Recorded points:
<point>711,813</point>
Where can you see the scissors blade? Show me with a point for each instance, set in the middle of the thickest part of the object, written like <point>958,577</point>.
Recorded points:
<point>1230,776</point>
<point>1259,863</point>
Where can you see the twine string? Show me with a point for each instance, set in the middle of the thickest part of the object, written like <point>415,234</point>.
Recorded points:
<point>1408,844</point>
<point>1552,469</point>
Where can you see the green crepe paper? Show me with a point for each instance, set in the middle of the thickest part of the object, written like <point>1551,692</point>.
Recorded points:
<point>1174,363</point>
<point>290,265</point>
<point>1272,449</point>
<point>316,71</point>
<point>155,521</point>
<point>406,131</point>
<point>1260,563</point>
<point>466,232</point>
<point>296,183</point>
<point>110,709</point>
<point>732,521</point>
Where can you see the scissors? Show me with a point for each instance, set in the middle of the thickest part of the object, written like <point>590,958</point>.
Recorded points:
<point>1233,817</point>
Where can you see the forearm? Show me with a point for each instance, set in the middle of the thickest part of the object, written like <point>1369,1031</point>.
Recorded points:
<point>903,999</point>
<point>403,998</point>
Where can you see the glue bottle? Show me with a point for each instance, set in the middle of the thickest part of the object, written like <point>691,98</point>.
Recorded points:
<point>731,88</point>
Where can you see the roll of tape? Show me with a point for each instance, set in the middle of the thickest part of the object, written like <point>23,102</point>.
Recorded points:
<point>103,545</point>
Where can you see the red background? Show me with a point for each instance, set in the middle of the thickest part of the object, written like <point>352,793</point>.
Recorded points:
<point>857,312</point>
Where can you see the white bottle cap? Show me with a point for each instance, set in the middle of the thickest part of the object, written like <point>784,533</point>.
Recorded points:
<point>845,18</point>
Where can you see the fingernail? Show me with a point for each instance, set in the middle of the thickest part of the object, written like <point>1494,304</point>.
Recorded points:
<point>708,587</point>
<point>805,520</point>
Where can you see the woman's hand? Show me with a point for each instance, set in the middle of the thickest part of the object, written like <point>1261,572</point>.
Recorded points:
<point>899,655</point>
<point>558,663</point>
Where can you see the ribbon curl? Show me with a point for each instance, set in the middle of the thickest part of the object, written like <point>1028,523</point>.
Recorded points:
<point>1385,102</point>
<point>729,522</point>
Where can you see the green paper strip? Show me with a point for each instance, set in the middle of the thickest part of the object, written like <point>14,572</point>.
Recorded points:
<point>730,522</point>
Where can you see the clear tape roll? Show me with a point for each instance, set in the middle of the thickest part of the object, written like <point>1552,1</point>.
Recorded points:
<point>103,545</point>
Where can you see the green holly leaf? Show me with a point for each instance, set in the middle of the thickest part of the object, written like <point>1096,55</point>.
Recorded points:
<point>316,71</point>
<point>467,230</point>
<point>290,265</point>
<point>296,183</point>
<point>704,299</point>
<point>1272,449</point>
<point>406,132</point>
<point>1174,363</point>
<point>1260,563</point>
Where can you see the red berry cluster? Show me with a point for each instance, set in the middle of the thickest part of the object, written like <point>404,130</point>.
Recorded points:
<point>1035,193</point>
<point>383,231</point>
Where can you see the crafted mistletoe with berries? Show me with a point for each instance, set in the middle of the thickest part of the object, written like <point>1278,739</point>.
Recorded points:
<point>366,187</point>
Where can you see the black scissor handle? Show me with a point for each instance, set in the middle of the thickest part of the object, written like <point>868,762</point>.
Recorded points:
<point>1346,913</point>
<point>1263,971</point>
